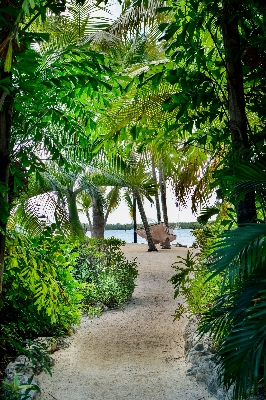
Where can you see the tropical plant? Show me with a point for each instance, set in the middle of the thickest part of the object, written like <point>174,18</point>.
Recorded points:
<point>60,189</point>
<point>43,102</point>
<point>236,320</point>
<point>108,277</point>
<point>17,391</point>
<point>73,27</point>
<point>190,282</point>
<point>38,281</point>
<point>40,296</point>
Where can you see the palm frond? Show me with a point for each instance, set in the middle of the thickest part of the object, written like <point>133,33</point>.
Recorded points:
<point>103,40</point>
<point>137,18</point>
<point>113,198</point>
<point>145,108</point>
<point>129,202</point>
<point>206,214</point>
<point>33,214</point>
<point>238,322</point>
<point>74,26</point>
<point>240,251</point>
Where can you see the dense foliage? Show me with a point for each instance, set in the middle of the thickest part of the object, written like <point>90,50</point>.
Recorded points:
<point>192,273</point>
<point>192,103</point>
<point>39,287</point>
<point>108,277</point>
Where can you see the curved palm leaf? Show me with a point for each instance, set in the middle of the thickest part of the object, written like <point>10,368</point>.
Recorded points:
<point>206,214</point>
<point>240,251</point>
<point>73,26</point>
<point>238,323</point>
<point>138,17</point>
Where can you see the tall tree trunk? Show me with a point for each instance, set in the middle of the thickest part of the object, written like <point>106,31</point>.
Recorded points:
<point>157,202</point>
<point>89,220</point>
<point>106,217</point>
<point>245,209</point>
<point>73,214</point>
<point>151,245</point>
<point>97,220</point>
<point>135,219</point>
<point>6,108</point>
<point>163,196</point>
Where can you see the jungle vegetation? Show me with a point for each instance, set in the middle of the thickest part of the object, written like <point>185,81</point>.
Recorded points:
<point>94,110</point>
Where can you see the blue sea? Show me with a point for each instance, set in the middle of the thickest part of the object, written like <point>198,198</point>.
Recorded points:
<point>183,236</point>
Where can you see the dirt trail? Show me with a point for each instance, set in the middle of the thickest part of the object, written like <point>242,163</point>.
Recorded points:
<point>134,353</point>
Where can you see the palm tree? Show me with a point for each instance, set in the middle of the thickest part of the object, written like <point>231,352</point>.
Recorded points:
<point>157,202</point>
<point>151,245</point>
<point>142,185</point>
<point>100,212</point>
<point>63,190</point>
<point>84,201</point>
<point>163,195</point>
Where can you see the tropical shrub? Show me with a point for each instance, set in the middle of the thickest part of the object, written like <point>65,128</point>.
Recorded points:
<point>17,391</point>
<point>108,277</point>
<point>237,318</point>
<point>192,277</point>
<point>41,296</point>
<point>191,281</point>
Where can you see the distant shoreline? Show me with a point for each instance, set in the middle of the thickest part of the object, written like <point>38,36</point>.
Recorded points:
<point>122,227</point>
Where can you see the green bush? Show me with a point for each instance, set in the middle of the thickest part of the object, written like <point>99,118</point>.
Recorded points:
<point>40,295</point>
<point>191,281</point>
<point>108,277</point>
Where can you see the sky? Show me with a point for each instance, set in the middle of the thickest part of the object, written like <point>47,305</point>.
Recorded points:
<point>175,215</point>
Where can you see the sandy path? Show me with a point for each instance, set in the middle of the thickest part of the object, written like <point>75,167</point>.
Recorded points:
<point>135,353</point>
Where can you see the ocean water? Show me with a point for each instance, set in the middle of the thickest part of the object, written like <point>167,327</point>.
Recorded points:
<point>183,236</point>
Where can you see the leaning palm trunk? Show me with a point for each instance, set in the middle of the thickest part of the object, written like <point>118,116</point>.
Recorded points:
<point>151,244</point>
<point>73,215</point>
<point>89,220</point>
<point>106,217</point>
<point>157,202</point>
<point>135,220</point>
<point>163,196</point>
<point>97,220</point>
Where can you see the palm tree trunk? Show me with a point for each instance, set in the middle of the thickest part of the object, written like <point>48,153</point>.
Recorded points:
<point>245,209</point>
<point>89,220</point>
<point>163,196</point>
<point>151,244</point>
<point>106,217</point>
<point>157,202</point>
<point>73,214</point>
<point>97,220</point>
<point>135,219</point>
<point>6,107</point>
